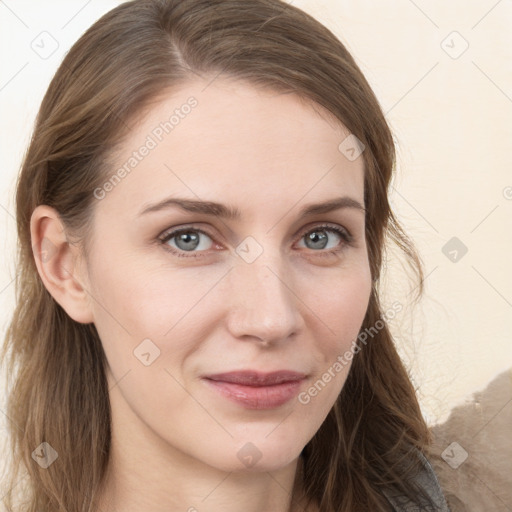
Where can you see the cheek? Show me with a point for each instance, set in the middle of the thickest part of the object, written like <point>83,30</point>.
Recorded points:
<point>134,304</point>
<point>341,310</point>
<point>144,300</point>
<point>341,307</point>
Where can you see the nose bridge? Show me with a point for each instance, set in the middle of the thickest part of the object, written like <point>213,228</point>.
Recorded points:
<point>263,304</point>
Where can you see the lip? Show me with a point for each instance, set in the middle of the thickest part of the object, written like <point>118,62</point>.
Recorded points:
<point>257,390</point>
<point>256,378</point>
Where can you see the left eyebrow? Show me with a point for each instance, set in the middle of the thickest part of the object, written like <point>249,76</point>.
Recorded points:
<point>232,213</point>
<point>329,206</point>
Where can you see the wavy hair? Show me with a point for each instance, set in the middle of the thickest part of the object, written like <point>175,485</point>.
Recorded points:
<point>370,439</point>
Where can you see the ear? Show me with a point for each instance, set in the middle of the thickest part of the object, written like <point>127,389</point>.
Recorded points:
<point>58,263</point>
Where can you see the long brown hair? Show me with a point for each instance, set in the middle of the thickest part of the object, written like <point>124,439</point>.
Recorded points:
<point>59,394</point>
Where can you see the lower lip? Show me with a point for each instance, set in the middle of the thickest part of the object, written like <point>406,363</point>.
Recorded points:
<point>257,397</point>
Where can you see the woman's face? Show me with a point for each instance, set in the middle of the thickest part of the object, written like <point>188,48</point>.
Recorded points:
<point>272,289</point>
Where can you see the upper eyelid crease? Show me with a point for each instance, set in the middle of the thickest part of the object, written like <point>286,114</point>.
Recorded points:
<point>231,213</point>
<point>303,231</point>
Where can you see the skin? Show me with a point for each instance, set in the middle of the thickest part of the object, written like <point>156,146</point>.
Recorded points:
<point>175,441</point>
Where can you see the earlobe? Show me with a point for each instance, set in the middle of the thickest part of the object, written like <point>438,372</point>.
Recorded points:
<point>57,262</point>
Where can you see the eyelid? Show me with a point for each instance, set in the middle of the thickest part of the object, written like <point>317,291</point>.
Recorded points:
<point>174,231</point>
<point>342,231</point>
<point>328,225</point>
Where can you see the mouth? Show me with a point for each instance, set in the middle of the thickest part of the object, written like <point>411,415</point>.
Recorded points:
<point>256,378</point>
<point>256,390</point>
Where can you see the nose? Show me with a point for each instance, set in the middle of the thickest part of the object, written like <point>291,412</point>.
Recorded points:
<point>263,304</point>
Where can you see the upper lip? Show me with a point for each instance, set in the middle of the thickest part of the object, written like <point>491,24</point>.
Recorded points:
<point>256,378</point>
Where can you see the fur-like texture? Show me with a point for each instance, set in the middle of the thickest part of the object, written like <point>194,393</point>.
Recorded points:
<point>482,428</point>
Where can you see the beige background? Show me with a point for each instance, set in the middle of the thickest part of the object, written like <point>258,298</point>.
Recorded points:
<point>450,108</point>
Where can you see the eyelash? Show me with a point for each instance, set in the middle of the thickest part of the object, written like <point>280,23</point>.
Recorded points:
<point>343,233</point>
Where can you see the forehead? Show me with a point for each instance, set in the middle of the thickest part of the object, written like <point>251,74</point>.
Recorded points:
<point>227,138</point>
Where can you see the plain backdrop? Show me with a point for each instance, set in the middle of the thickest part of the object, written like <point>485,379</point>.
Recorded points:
<point>442,72</point>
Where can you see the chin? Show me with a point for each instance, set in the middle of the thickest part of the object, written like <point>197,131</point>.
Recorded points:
<point>252,456</point>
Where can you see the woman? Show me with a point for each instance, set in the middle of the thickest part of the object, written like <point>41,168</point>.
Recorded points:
<point>202,214</point>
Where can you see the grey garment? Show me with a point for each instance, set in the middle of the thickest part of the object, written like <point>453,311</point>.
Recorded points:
<point>427,480</point>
